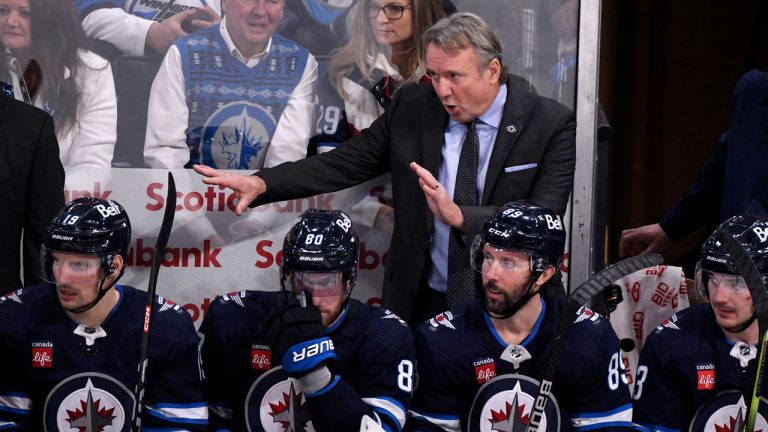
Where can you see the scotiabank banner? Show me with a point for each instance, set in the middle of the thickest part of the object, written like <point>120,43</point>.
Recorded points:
<point>211,250</point>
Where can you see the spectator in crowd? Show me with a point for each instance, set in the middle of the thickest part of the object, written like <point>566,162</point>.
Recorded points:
<point>53,69</point>
<point>384,52</point>
<point>145,27</point>
<point>234,96</point>
<point>733,181</point>
<point>32,191</point>
<point>425,125</point>
<point>69,348</point>
<point>256,378</point>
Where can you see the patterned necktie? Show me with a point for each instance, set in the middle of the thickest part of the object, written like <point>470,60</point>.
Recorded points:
<point>460,277</point>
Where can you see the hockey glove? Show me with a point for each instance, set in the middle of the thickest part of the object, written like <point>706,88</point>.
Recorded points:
<point>296,335</point>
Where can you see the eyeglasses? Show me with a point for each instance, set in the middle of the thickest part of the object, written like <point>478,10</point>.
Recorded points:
<point>391,11</point>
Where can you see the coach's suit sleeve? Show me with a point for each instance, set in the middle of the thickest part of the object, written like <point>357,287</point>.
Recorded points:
<point>44,198</point>
<point>362,158</point>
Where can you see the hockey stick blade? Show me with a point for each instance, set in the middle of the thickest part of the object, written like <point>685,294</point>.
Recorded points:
<point>746,268</point>
<point>160,244</point>
<point>579,296</point>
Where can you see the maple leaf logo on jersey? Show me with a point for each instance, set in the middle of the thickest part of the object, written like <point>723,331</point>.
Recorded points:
<point>443,319</point>
<point>509,419</point>
<point>734,424</point>
<point>290,412</point>
<point>91,416</point>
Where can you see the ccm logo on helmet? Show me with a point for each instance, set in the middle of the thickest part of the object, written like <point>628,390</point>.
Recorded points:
<point>499,233</point>
<point>312,350</point>
<point>109,210</point>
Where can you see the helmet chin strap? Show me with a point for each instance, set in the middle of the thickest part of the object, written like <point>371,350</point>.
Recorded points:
<point>740,328</point>
<point>520,303</point>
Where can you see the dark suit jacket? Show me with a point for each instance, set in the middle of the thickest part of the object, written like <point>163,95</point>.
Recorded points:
<point>533,130</point>
<point>31,188</point>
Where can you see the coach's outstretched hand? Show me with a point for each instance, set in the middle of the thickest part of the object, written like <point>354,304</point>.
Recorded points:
<point>246,188</point>
<point>296,335</point>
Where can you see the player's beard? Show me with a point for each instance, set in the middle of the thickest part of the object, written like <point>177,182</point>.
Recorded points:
<point>502,306</point>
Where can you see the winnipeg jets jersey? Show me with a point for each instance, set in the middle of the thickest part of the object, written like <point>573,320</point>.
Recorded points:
<point>691,377</point>
<point>154,10</point>
<point>56,375</point>
<point>470,380</point>
<point>248,390</point>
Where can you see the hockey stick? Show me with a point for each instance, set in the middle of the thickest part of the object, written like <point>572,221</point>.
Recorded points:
<point>751,275</point>
<point>582,294</point>
<point>162,241</point>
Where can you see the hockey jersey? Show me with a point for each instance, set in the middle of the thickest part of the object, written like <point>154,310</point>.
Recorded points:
<point>155,10</point>
<point>470,380</point>
<point>248,390</point>
<point>58,375</point>
<point>691,377</point>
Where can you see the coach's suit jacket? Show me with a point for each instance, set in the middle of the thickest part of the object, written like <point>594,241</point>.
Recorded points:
<point>534,131</point>
<point>31,188</point>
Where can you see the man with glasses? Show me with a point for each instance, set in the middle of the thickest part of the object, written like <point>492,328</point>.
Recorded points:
<point>308,357</point>
<point>457,150</point>
<point>69,349</point>
<point>234,96</point>
<point>697,369</point>
<point>480,363</point>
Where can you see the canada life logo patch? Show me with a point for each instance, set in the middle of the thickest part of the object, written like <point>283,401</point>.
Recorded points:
<point>42,355</point>
<point>485,370</point>
<point>260,357</point>
<point>705,374</point>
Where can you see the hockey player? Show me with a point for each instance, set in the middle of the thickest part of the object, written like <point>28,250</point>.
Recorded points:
<point>309,357</point>
<point>69,349</point>
<point>697,369</point>
<point>480,363</point>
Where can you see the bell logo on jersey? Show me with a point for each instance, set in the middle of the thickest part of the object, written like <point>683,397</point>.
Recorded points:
<point>485,370</point>
<point>42,355</point>
<point>260,357</point>
<point>706,377</point>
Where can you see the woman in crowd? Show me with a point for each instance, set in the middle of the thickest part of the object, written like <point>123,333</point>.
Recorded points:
<point>384,53</point>
<point>47,57</point>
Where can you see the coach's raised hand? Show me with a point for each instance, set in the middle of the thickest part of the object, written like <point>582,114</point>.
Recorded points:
<point>246,188</point>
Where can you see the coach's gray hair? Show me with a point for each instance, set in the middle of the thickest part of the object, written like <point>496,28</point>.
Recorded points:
<point>463,30</point>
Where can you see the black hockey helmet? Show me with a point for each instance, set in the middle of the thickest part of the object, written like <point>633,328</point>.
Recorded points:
<point>88,226</point>
<point>321,241</point>
<point>751,231</point>
<point>522,226</point>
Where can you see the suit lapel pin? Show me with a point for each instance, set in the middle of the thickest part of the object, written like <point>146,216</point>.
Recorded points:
<point>511,129</point>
